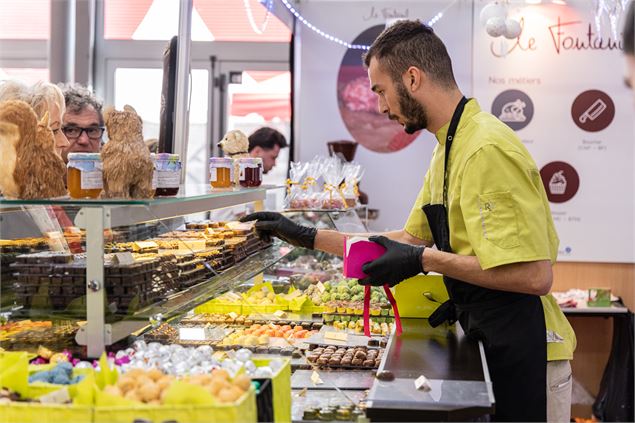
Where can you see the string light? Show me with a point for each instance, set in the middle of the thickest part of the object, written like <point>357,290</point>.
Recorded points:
<point>329,37</point>
<point>250,16</point>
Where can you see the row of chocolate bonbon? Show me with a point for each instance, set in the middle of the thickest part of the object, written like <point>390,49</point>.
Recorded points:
<point>335,357</point>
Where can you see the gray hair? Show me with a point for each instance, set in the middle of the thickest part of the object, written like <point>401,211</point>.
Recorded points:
<point>44,95</point>
<point>14,90</point>
<point>78,98</point>
<point>40,96</point>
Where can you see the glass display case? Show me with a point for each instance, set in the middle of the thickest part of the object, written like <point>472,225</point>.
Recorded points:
<point>95,271</point>
<point>89,273</point>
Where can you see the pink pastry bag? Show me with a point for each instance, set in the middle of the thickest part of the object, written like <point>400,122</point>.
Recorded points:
<point>357,252</point>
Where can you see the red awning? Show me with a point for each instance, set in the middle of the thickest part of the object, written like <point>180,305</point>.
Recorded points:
<point>268,105</point>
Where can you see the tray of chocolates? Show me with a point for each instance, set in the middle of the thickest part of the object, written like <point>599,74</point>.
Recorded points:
<point>345,358</point>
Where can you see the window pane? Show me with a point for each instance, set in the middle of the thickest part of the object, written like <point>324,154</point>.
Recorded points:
<point>263,99</point>
<point>27,75</point>
<point>25,19</point>
<point>220,20</point>
<point>141,88</point>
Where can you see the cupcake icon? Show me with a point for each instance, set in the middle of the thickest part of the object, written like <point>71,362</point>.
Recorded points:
<point>558,183</point>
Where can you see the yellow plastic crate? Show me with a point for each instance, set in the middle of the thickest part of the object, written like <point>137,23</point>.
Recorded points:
<point>219,308</point>
<point>281,391</point>
<point>44,413</point>
<point>249,309</point>
<point>242,411</point>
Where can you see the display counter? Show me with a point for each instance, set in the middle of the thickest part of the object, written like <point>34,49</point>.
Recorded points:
<point>454,365</point>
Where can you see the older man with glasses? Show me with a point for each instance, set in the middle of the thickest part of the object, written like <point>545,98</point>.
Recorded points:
<point>83,122</point>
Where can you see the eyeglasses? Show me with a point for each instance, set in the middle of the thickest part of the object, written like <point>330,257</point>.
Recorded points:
<point>93,132</point>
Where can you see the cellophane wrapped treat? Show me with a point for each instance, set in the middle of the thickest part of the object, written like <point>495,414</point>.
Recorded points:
<point>332,197</point>
<point>295,192</point>
<point>352,173</point>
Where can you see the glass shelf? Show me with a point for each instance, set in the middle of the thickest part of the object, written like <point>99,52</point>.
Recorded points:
<point>186,193</point>
<point>191,199</point>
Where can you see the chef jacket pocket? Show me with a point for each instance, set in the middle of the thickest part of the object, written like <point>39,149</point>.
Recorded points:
<point>498,219</point>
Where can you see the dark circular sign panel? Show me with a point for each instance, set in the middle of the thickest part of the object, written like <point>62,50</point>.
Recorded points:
<point>358,104</point>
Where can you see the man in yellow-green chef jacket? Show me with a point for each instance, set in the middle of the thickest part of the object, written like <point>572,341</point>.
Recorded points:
<point>484,207</point>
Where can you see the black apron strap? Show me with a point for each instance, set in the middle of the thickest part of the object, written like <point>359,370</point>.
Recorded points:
<point>454,124</point>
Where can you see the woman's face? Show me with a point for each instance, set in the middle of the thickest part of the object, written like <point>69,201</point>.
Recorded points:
<point>55,123</point>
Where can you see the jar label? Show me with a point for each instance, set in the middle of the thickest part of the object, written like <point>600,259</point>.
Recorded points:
<point>242,172</point>
<point>91,179</point>
<point>212,175</point>
<point>155,179</point>
<point>168,179</point>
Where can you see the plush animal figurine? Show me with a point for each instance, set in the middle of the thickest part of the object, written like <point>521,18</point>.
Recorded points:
<point>127,164</point>
<point>39,172</point>
<point>9,137</point>
<point>235,144</point>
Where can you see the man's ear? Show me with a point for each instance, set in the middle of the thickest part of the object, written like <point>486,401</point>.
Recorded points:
<point>256,151</point>
<point>413,78</point>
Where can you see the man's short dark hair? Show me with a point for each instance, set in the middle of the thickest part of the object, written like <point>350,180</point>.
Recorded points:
<point>629,30</point>
<point>411,43</point>
<point>78,98</point>
<point>266,138</point>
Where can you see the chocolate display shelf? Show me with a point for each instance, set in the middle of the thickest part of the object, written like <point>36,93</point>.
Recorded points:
<point>194,321</point>
<point>56,338</point>
<point>58,281</point>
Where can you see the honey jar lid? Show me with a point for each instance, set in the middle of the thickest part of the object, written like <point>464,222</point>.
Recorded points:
<point>84,156</point>
<point>167,157</point>
<point>221,160</point>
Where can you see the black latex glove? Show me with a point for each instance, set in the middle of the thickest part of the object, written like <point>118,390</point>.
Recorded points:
<point>274,224</point>
<point>399,262</point>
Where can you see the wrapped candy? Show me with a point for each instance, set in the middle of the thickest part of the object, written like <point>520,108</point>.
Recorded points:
<point>352,173</point>
<point>332,197</point>
<point>297,173</point>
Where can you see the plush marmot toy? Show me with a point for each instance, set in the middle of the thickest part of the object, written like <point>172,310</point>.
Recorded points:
<point>39,172</point>
<point>127,164</point>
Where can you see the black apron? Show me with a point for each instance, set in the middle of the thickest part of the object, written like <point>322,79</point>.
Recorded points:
<point>510,325</point>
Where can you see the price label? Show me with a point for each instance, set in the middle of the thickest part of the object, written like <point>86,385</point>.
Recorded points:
<point>124,258</point>
<point>60,396</point>
<point>336,336</point>
<point>295,294</point>
<point>316,379</point>
<point>422,383</point>
<point>233,315</point>
<point>91,179</point>
<point>192,334</point>
<point>279,314</point>
<point>321,287</point>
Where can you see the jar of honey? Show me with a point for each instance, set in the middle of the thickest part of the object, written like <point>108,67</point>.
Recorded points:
<point>167,174</point>
<point>84,175</point>
<point>221,172</point>
<point>250,171</point>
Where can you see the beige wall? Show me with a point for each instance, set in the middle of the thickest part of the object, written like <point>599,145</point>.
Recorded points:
<point>594,334</point>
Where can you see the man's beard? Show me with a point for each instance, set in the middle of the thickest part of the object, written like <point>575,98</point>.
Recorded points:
<point>415,118</point>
